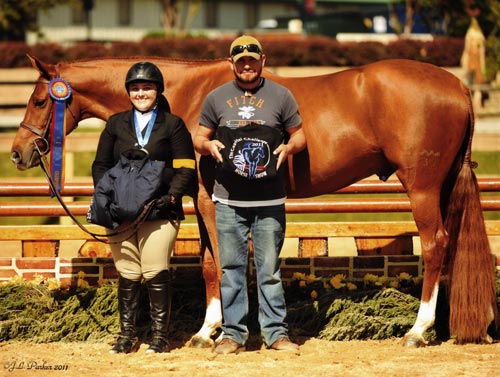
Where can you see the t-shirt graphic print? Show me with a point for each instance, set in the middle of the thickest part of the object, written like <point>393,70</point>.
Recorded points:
<point>249,150</point>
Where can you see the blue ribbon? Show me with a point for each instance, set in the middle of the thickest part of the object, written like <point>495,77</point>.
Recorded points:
<point>142,141</point>
<point>57,154</point>
<point>60,91</point>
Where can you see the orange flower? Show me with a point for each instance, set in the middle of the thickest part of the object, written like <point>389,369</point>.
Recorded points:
<point>336,283</point>
<point>351,286</point>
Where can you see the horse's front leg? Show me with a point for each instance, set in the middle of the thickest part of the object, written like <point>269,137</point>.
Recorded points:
<point>213,314</point>
<point>434,240</point>
<point>211,272</point>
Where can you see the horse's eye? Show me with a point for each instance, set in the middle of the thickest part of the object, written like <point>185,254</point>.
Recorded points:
<point>40,102</point>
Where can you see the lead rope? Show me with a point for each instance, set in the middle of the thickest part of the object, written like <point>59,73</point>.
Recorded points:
<point>132,227</point>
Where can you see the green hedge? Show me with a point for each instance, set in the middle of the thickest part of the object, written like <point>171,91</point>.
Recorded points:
<point>43,311</point>
<point>280,50</point>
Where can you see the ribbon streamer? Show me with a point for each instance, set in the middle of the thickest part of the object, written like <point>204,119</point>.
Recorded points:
<point>60,91</point>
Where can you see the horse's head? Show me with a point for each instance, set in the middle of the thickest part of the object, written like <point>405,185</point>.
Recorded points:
<point>32,137</point>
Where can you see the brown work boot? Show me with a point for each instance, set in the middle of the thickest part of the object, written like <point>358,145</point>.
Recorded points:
<point>227,346</point>
<point>284,344</point>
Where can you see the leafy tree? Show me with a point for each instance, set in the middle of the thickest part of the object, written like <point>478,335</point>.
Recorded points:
<point>179,17</point>
<point>493,41</point>
<point>452,17</point>
<point>20,16</point>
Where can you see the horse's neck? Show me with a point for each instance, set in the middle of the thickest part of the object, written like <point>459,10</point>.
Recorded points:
<point>188,86</point>
<point>101,92</point>
<point>103,105</point>
<point>97,91</point>
<point>102,99</point>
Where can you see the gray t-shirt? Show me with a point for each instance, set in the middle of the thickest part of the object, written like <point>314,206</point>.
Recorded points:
<point>271,105</point>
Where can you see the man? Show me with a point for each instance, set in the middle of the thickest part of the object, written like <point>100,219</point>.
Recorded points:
<point>243,126</point>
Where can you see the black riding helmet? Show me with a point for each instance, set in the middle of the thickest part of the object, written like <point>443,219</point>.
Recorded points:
<point>145,71</point>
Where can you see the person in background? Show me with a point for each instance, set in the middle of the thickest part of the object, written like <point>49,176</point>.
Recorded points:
<point>473,56</point>
<point>473,62</point>
<point>150,127</point>
<point>249,126</point>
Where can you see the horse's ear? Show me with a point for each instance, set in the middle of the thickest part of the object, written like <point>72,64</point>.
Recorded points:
<point>46,70</point>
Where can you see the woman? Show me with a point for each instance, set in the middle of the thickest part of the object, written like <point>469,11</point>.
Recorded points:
<point>145,256</point>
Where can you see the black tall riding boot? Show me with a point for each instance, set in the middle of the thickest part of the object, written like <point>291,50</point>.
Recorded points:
<point>128,303</point>
<point>160,302</point>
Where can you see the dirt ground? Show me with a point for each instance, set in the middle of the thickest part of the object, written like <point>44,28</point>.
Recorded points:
<point>317,358</point>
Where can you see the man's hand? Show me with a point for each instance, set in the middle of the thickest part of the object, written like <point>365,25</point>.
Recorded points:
<point>214,147</point>
<point>282,152</point>
<point>204,144</point>
<point>296,143</point>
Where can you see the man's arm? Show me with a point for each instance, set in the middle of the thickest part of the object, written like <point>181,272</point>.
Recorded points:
<point>296,143</point>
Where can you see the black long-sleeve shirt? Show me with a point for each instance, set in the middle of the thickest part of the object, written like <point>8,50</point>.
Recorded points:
<point>170,141</point>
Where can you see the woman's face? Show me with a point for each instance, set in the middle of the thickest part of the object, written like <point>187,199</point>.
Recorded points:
<point>143,95</point>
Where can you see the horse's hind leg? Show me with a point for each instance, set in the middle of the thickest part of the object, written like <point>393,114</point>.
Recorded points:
<point>434,240</point>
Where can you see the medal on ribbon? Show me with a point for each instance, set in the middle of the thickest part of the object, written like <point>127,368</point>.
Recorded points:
<point>60,91</point>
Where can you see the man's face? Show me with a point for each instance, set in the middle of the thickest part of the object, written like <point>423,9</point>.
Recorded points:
<point>247,69</point>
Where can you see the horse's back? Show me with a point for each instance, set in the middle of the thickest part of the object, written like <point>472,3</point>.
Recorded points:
<point>416,105</point>
<point>380,118</point>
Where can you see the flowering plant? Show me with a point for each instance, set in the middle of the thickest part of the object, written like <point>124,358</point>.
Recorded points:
<point>308,286</point>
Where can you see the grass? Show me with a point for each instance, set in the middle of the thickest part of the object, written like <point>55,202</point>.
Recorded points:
<point>489,165</point>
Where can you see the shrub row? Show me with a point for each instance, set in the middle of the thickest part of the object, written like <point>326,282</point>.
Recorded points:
<point>280,50</point>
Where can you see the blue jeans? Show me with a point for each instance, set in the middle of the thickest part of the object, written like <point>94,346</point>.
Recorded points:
<point>267,227</point>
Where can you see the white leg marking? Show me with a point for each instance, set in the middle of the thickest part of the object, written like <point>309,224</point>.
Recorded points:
<point>213,320</point>
<point>426,315</point>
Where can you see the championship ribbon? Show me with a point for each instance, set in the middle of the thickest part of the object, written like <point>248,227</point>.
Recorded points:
<point>60,91</point>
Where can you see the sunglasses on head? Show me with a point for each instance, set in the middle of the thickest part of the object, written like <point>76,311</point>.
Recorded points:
<point>241,48</point>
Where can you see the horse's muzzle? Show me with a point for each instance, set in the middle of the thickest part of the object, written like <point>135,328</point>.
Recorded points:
<point>32,161</point>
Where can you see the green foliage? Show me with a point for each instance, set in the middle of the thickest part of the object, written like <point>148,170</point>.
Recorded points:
<point>36,313</point>
<point>453,17</point>
<point>493,43</point>
<point>19,16</point>
<point>30,311</point>
<point>44,311</point>
<point>389,313</point>
<point>88,315</point>
<point>23,307</point>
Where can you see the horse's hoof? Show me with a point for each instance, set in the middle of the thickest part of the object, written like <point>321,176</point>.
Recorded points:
<point>413,342</point>
<point>199,342</point>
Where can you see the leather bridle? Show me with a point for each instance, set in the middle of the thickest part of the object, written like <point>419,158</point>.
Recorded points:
<point>43,145</point>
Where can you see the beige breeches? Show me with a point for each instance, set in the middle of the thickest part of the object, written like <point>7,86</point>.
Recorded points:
<point>147,252</point>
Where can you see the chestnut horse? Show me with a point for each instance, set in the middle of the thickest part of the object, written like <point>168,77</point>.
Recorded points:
<point>394,116</point>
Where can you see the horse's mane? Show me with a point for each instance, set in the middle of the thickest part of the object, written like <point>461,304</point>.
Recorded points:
<point>182,61</point>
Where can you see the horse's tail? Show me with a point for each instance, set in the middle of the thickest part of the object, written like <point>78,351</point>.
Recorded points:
<point>472,291</point>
